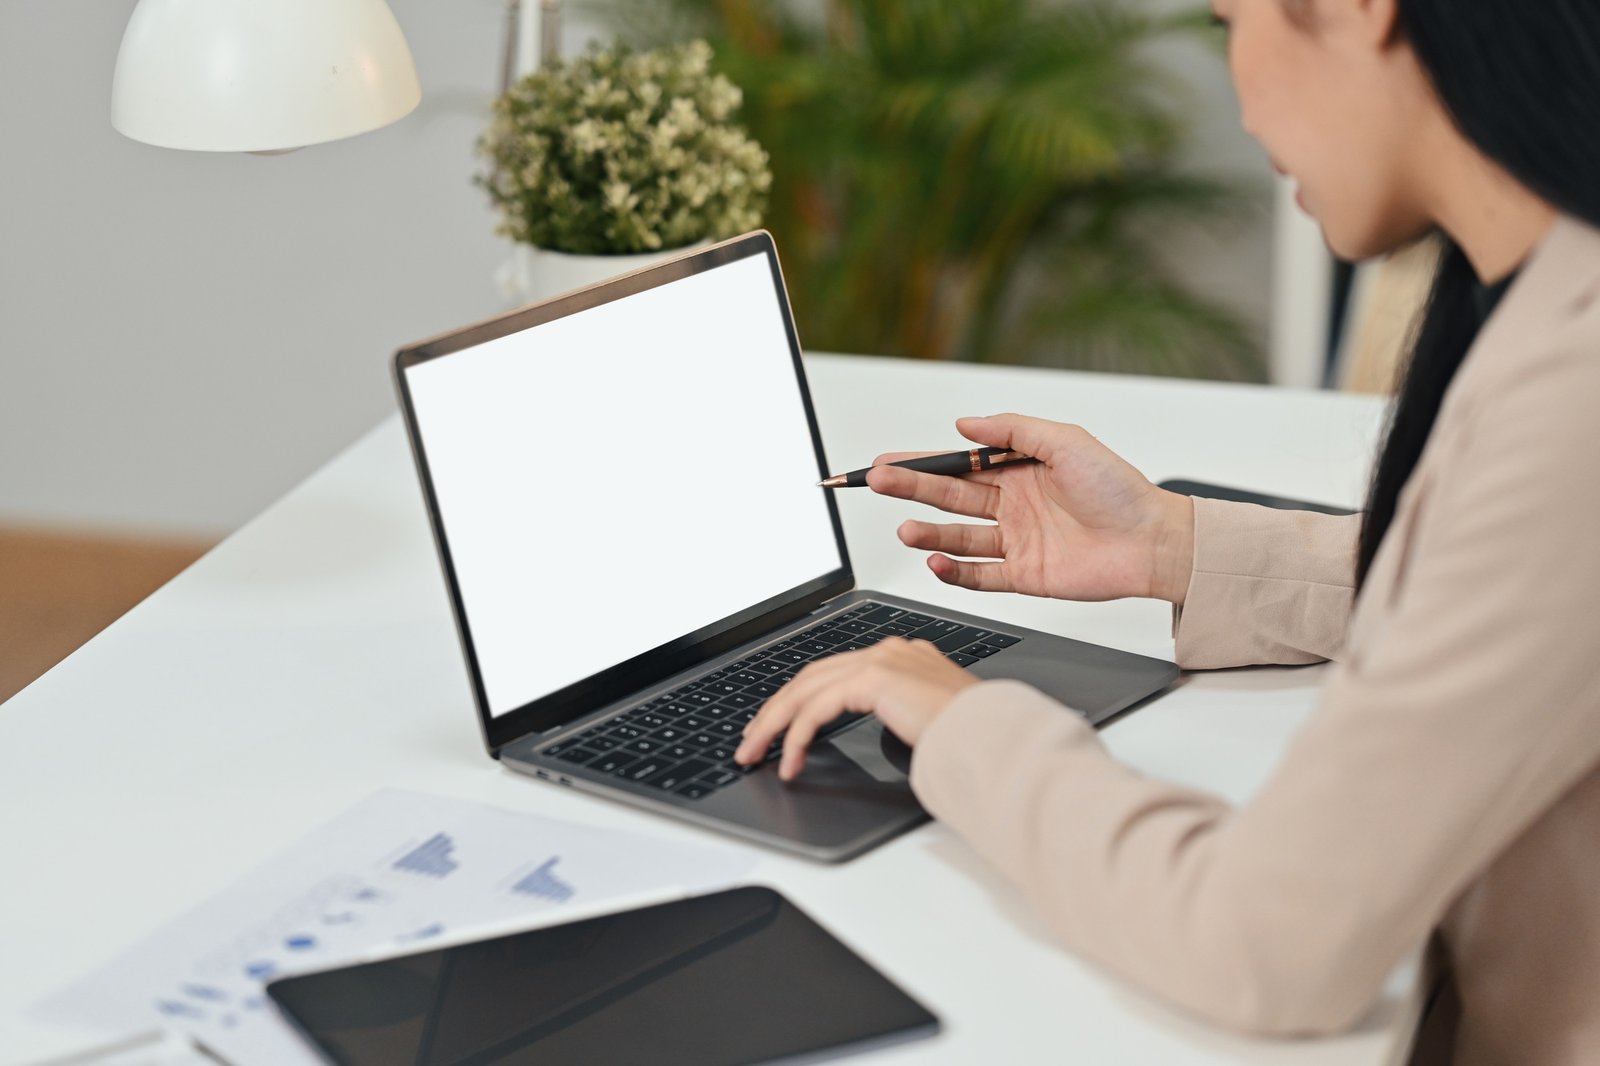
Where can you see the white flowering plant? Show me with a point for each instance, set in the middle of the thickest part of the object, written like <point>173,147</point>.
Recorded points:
<point>622,151</point>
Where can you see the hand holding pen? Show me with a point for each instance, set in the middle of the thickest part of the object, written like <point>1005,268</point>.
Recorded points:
<point>1079,523</point>
<point>952,463</point>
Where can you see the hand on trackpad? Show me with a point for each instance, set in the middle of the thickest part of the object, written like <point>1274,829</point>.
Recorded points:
<point>897,751</point>
<point>875,750</point>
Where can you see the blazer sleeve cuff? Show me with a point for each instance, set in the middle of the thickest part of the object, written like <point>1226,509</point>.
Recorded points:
<point>1268,586</point>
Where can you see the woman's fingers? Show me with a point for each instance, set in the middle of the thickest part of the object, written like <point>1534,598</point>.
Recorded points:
<point>839,683</point>
<point>899,457</point>
<point>905,682</point>
<point>953,538</point>
<point>778,713</point>
<point>1038,437</point>
<point>956,495</point>
<point>819,707</point>
<point>984,577</point>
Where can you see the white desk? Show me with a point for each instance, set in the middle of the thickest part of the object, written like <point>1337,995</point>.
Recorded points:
<point>310,660</point>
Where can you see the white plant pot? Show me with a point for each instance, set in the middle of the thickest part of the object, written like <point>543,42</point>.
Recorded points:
<point>531,274</point>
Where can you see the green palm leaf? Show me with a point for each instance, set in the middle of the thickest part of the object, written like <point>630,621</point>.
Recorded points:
<point>972,179</point>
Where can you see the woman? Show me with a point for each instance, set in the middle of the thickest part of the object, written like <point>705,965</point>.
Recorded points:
<point>1450,781</point>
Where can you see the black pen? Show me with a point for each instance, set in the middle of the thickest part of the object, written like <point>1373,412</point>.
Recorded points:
<point>969,462</point>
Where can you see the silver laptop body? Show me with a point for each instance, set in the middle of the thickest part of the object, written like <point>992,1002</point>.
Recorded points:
<point>621,483</point>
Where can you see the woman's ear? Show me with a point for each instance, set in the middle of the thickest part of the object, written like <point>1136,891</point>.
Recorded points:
<point>1379,21</point>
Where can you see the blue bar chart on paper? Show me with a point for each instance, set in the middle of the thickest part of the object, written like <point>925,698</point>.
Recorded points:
<point>431,858</point>
<point>544,883</point>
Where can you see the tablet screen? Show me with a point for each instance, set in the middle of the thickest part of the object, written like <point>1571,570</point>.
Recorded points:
<point>740,976</point>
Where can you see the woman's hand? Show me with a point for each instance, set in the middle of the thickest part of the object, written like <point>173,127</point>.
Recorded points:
<point>906,683</point>
<point>1081,524</point>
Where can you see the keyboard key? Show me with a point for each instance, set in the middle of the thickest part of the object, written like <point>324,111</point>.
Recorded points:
<point>679,752</point>
<point>719,712</point>
<point>1001,640</point>
<point>981,650</point>
<point>577,756</point>
<point>704,740</point>
<point>959,638</point>
<point>669,735</point>
<point>960,658</point>
<point>763,690</point>
<point>644,768</point>
<point>855,625</point>
<point>721,754</point>
<point>739,699</point>
<point>625,732</point>
<point>935,629</point>
<point>653,721</point>
<point>698,699</point>
<point>880,614</point>
<point>602,743</point>
<point>673,776</point>
<point>642,746</point>
<point>615,762</point>
<point>693,723</point>
<point>720,777</point>
<point>695,790</point>
<point>897,629</point>
<point>830,637</point>
<point>768,667</point>
<point>916,619</point>
<point>745,677</point>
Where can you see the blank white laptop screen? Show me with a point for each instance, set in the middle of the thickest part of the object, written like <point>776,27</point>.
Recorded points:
<point>621,477</point>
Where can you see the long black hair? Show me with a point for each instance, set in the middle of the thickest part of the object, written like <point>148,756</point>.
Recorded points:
<point>1521,79</point>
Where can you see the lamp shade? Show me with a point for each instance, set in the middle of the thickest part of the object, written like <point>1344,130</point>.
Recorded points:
<point>260,75</point>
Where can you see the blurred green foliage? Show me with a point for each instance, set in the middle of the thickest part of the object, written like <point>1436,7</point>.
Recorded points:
<point>972,179</point>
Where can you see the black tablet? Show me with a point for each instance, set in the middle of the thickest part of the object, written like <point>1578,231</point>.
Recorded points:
<point>740,976</point>
<point>1228,492</point>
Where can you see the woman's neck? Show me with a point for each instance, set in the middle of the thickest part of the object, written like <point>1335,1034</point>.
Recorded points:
<point>1496,220</point>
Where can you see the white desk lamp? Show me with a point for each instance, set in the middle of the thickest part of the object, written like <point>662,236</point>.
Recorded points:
<point>260,75</point>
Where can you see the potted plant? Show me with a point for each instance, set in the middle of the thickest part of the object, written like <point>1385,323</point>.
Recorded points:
<point>992,180</point>
<point>604,163</point>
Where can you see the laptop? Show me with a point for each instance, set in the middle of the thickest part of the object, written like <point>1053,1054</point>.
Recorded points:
<point>622,484</point>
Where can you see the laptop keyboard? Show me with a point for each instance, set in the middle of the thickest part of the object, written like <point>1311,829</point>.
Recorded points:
<point>683,741</point>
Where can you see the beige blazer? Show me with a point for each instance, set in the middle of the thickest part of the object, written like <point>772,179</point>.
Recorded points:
<point>1449,781</point>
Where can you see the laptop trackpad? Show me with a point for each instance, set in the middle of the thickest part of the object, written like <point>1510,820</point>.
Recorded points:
<point>877,751</point>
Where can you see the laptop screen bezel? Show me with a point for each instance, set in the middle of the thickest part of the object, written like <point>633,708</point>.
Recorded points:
<point>650,667</point>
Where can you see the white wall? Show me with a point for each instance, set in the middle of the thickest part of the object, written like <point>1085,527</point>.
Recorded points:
<point>1234,264</point>
<point>184,336</point>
